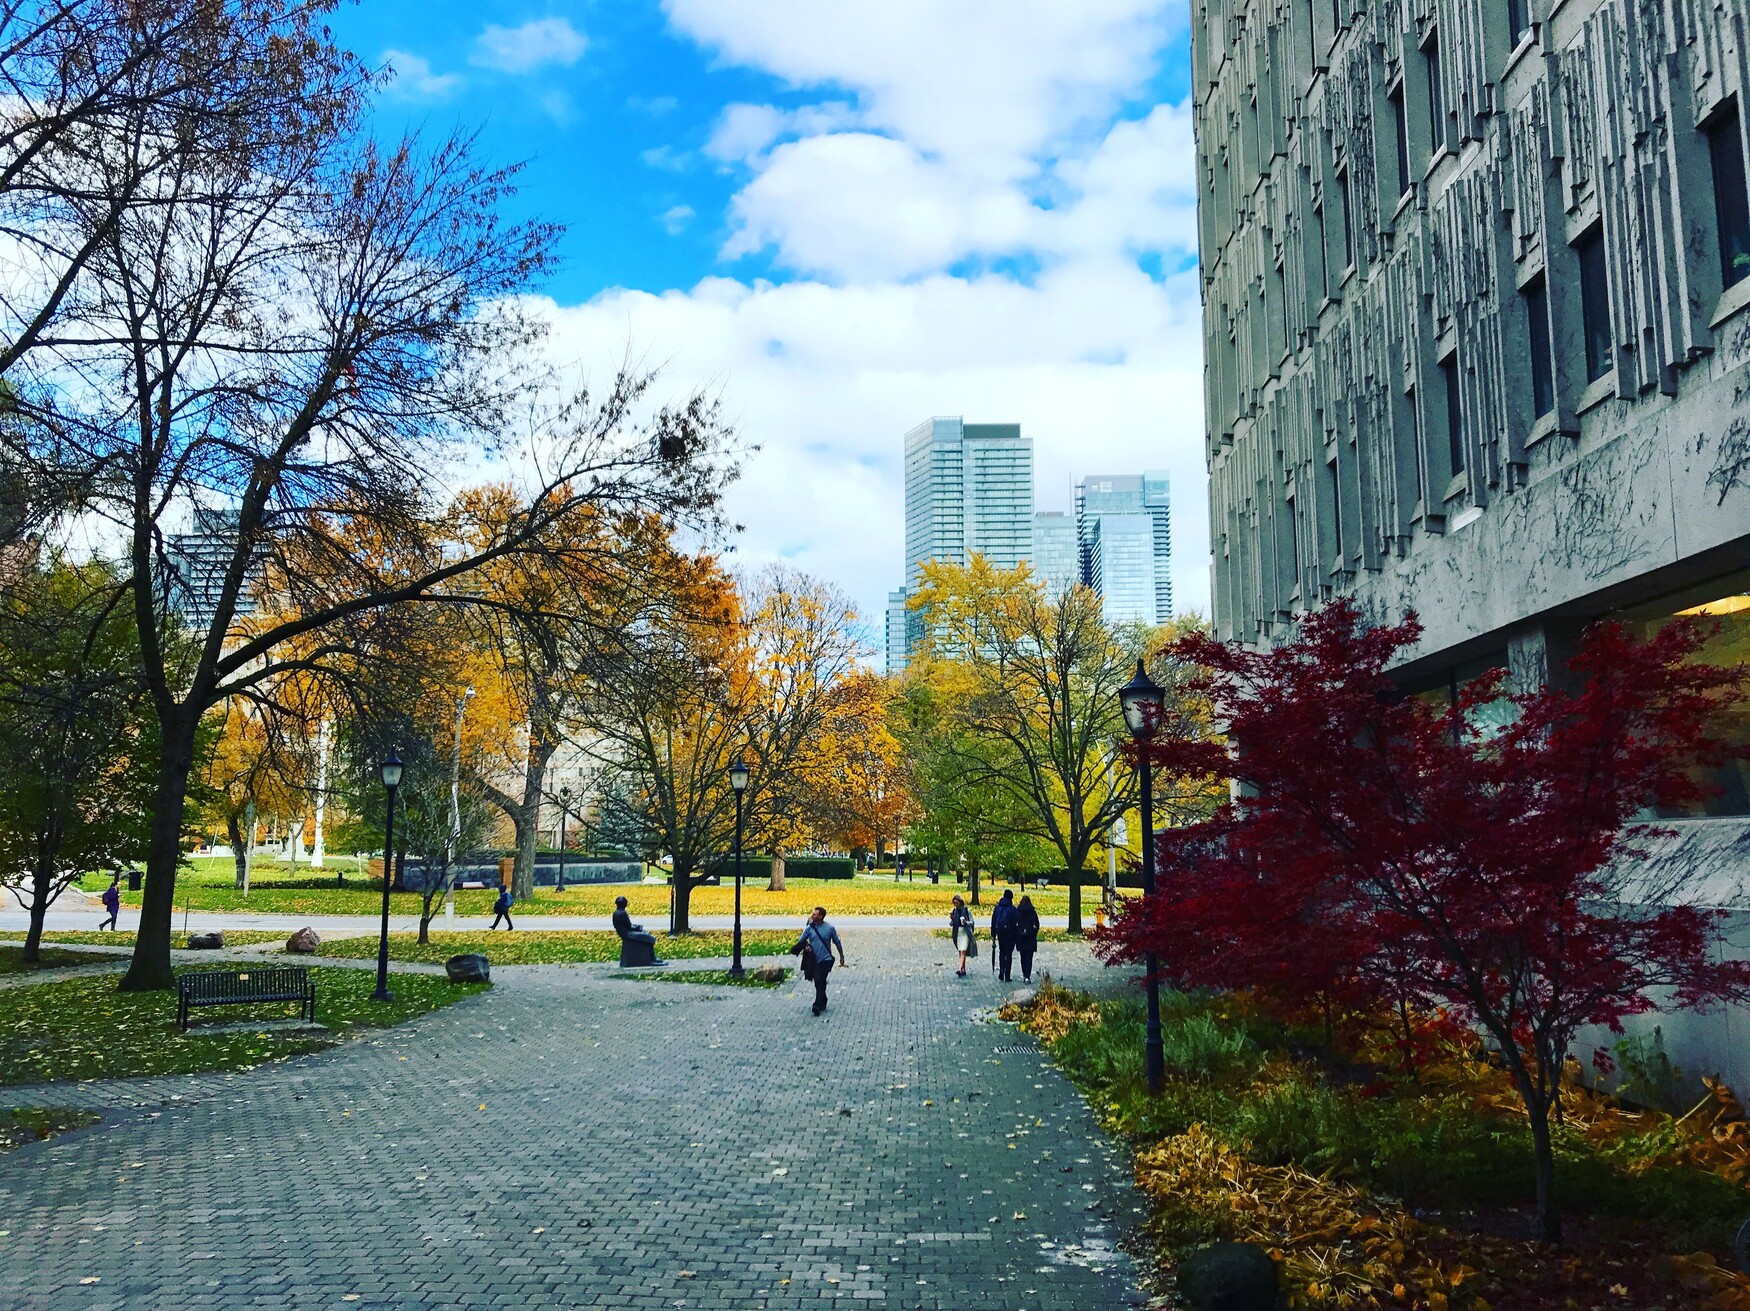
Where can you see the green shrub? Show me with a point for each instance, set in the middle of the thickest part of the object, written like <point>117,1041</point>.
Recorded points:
<point>1199,1047</point>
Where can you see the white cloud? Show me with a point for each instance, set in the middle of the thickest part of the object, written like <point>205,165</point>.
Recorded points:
<point>985,82</point>
<point>1099,364</point>
<point>523,49</point>
<point>667,158</point>
<point>744,132</point>
<point>855,206</point>
<point>676,218</point>
<point>414,80</point>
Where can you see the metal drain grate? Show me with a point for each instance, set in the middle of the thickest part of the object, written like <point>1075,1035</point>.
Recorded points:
<point>1016,1049</point>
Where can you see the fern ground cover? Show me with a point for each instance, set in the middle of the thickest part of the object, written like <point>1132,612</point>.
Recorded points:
<point>1373,1188</point>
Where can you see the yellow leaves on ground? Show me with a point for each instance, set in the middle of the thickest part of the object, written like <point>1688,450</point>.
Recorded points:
<point>1335,1245</point>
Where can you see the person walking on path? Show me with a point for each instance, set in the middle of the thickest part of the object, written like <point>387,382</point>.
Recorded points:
<point>1026,936</point>
<point>501,910</point>
<point>1003,924</point>
<point>112,902</point>
<point>964,932</point>
<point>816,944</point>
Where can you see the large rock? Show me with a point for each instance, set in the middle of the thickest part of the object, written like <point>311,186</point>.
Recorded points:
<point>1229,1277</point>
<point>304,942</point>
<point>469,968</point>
<point>206,941</point>
<point>769,974</point>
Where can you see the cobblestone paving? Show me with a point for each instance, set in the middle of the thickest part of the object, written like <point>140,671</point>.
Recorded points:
<point>575,1140</point>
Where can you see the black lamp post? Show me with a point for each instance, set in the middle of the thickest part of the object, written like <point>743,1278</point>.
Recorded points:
<point>738,774</point>
<point>564,814</point>
<point>391,783</point>
<point>1142,699</point>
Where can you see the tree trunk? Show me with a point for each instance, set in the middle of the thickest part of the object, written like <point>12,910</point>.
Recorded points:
<point>234,833</point>
<point>247,859</point>
<point>150,969</point>
<point>683,893</point>
<point>425,924</point>
<point>972,882</point>
<point>1549,1216</point>
<point>40,878</point>
<point>1075,899</point>
<point>777,883</point>
<point>527,820</point>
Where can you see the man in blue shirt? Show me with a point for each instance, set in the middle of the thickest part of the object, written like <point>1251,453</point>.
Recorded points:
<point>817,942</point>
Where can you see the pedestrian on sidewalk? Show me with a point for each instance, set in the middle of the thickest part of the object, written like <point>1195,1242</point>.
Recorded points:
<point>1027,935</point>
<point>964,933</point>
<point>815,947</point>
<point>112,902</point>
<point>1003,924</point>
<point>501,910</point>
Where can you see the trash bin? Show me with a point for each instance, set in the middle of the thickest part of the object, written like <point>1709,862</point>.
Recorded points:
<point>134,880</point>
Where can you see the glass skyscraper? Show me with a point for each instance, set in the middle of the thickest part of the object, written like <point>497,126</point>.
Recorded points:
<point>1056,559</point>
<point>1146,496</point>
<point>968,491</point>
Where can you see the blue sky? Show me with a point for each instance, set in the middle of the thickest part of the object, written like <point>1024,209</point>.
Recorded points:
<point>849,215</point>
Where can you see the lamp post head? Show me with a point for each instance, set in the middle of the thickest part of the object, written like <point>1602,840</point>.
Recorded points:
<point>738,774</point>
<point>1142,699</point>
<point>392,769</point>
<point>565,794</point>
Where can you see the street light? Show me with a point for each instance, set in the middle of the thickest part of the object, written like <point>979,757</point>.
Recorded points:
<point>391,782</point>
<point>564,814</point>
<point>1142,699</point>
<point>738,773</point>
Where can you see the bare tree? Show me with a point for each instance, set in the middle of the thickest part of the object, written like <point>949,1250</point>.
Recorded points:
<point>319,338</point>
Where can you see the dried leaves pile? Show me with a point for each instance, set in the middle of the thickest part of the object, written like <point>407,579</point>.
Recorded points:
<point>1338,1245</point>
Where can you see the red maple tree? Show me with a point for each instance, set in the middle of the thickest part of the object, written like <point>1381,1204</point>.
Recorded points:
<point>1382,850</point>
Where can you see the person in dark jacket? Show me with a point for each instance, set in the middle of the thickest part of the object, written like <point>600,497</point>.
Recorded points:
<point>964,933</point>
<point>112,902</point>
<point>818,940</point>
<point>1003,925</point>
<point>501,910</point>
<point>1026,936</point>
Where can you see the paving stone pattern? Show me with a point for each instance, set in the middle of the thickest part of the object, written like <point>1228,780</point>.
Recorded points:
<point>572,1139</point>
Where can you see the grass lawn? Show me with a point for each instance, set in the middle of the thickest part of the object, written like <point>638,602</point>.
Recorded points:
<point>85,1029</point>
<point>562,947</point>
<point>50,958</point>
<point>125,938</point>
<point>1045,935</point>
<point>719,977</point>
<point>33,1125</point>
<point>1376,1189</point>
<point>310,892</point>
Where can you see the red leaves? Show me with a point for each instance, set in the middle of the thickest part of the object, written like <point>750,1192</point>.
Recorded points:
<point>1386,848</point>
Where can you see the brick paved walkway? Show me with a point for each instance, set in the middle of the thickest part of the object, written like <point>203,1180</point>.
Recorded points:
<point>571,1139</point>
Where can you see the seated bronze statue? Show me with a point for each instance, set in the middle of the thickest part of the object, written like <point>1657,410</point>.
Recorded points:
<point>637,948</point>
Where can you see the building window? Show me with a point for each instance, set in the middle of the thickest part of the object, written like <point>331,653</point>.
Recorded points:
<point>1336,514</point>
<point>1416,444</point>
<point>1348,222</point>
<point>1518,20</point>
<point>1595,304</point>
<point>1323,269</point>
<point>1436,95</point>
<point>1403,125</point>
<point>1454,426</point>
<point>1543,369</point>
<point>1725,146</point>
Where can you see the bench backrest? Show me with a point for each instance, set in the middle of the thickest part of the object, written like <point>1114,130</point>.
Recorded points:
<point>272,980</point>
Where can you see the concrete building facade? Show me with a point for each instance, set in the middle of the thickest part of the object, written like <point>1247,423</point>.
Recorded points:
<point>1476,285</point>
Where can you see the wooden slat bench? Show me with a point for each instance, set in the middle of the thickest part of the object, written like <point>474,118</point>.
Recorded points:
<point>244,987</point>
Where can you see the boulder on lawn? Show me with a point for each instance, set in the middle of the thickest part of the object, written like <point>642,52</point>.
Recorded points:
<point>769,974</point>
<point>206,941</point>
<point>1229,1277</point>
<point>304,942</point>
<point>471,967</point>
